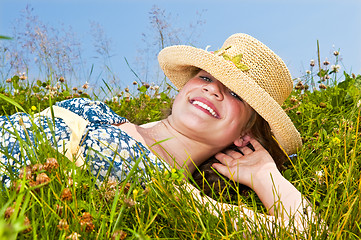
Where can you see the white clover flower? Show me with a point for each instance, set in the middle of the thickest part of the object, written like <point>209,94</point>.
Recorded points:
<point>359,104</point>
<point>335,68</point>
<point>319,174</point>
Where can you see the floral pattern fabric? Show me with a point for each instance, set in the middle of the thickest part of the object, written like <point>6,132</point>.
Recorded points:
<point>108,151</point>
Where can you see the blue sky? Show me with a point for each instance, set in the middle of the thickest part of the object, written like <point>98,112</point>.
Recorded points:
<point>290,28</point>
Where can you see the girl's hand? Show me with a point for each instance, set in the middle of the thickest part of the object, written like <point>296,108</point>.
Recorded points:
<point>249,169</point>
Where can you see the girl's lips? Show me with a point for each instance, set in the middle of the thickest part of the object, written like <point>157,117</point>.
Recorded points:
<point>205,105</point>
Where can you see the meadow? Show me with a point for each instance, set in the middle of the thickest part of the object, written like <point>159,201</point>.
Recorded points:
<point>51,198</point>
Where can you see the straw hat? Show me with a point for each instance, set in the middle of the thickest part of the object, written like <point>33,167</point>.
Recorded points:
<point>247,67</point>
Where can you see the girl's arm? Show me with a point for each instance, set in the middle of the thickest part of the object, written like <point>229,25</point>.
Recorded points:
<point>257,170</point>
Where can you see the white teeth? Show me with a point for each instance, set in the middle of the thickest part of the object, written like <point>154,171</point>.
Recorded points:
<point>205,107</point>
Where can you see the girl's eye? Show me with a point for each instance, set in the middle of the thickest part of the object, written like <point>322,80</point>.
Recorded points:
<point>207,79</point>
<point>236,96</point>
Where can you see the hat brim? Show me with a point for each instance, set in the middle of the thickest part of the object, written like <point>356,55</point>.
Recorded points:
<point>178,63</point>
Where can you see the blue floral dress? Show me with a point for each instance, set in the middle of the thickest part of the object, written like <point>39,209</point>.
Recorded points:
<point>107,149</point>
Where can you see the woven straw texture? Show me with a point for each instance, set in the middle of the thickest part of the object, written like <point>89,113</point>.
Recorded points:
<point>264,86</point>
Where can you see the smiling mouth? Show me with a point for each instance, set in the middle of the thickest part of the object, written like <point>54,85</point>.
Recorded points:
<point>205,107</point>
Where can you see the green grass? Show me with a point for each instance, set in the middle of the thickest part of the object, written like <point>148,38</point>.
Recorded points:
<point>326,171</point>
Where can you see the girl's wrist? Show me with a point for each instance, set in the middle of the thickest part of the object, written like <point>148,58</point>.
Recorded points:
<point>265,177</point>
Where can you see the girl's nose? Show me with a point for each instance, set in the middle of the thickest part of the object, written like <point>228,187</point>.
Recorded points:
<point>214,89</point>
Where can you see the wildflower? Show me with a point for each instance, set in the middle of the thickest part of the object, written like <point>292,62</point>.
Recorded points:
<point>87,221</point>
<point>299,85</point>
<point>42,178</point>
<point>9,211</point>
<point>75,89</point>
<point>61,79</point>
<point>63,225</point>
<point>37,167</point>
<point>308,72</point>
<point>33,108</point>
<point>80,91</point>
<point>23,77</point>
<point>8,80</point>
<point>28,173</point>
<point>322,105</point>
<point>359,104</point>
<point>51,163</point>
<point>115,99</point>
<point>336,53</point>
<point>73,236</point>
<point>322,86</point>
<point>335,68</point>
<point>146,85</point>
<point>58,209</point>
<point>135,192</point>
<point>146,191</point>
<point>129,202</point>
<point>119,234</point>
<point>326,62</point>
<point>293,99</point>
<point>335,141</point>
<point>126,89</point>
<point>66,195</point>
<point>312,63</point>
<point>126,187</point>
<point>27,224</point>
<point>135,83</point>
<point>86,85</point>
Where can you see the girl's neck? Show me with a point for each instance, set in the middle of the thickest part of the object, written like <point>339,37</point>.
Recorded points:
<point>172,146</point>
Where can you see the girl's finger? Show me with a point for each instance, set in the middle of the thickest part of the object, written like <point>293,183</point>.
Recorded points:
<point>224,158</point>
<point>246,150</point>
<point>233,154</point>
<point>256,145</point>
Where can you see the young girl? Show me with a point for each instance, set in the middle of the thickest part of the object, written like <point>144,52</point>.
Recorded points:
<point>232,96</point>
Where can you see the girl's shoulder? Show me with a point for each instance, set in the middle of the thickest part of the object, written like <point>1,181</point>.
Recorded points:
<point>93,111</point>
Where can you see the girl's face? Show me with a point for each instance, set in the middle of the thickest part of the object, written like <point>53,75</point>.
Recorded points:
<point>208,111</point>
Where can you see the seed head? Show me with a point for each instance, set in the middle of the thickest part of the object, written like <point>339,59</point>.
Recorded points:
<point>87,221</point>
<point>37,167</point>
<point>61,79</point>
<point>42,178</point>
<point>119,234</point>
<point>8,212</point>
<point>326,62</point>
<point>8,80</point>
<point>336,53</point>
<point>322,86</point>
<point>322,105</point>
<point>51,163</point>
<point>27,224</point>
<point>135,83</point>
<point>312,63</point>
<point>63,225</point>
<point>66,195</point>
<point>27,171</point>
<point>86,85</point>
<point>129,202</point>
<point>73,236</point>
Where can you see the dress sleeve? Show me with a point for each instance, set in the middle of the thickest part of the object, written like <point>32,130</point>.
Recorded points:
<point>93,111</point>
